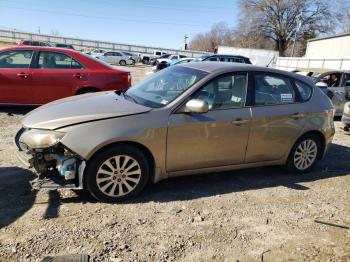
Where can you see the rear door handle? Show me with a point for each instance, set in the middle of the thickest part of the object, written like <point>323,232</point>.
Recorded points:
<point>23,75</point>
<point>239,121</point>
<point>80,76</point>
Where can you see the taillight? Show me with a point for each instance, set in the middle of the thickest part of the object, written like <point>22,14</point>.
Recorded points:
<point>127,78</point>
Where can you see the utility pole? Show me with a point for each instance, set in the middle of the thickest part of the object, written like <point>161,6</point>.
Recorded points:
<point>297,29</point>
<point>184,47</point>
<point>39,30</point>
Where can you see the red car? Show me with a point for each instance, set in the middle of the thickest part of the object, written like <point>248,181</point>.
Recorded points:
<point>37,75</point>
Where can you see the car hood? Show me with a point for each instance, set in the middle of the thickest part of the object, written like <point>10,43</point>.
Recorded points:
<point>79,109</point>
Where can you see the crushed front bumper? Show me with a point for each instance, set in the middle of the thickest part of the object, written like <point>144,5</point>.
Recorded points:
<point>22,150</point>
<point>50,165</point>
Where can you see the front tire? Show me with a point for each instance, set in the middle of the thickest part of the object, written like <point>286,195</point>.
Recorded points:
<point>117,174</point>
<point>304,154</point>
<point>122,62</point>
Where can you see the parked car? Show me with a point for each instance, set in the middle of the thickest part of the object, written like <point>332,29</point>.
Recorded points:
<point>158,67</point>
<point>146,58</point>
<point>181,61</point>
<point>96,52</point>
<point>312,74</point>
<point>132,56</point>
<point>153,61</point>
<point>64,46</point>
<point>164,64</point>
<point>223,58</point>
<point>346,117</point>
<point>116,58</point>
<point>37,75</point>
<point>336,84</point>
<point>187,119</point>
<point>170,59</point>
<point>32,43</point>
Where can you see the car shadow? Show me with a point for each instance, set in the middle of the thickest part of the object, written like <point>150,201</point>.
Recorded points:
<point>16,197</point>
<point>197,186</point>
<point>16,110</point>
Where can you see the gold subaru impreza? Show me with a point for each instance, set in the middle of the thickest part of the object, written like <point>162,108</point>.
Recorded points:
<point>187,119</point>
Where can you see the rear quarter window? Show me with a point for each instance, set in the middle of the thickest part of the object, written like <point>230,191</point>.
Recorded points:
<point>304,91</point>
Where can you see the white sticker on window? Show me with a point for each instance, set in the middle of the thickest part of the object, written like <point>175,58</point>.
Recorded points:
<point>164,102</point>
<point>286,98</point>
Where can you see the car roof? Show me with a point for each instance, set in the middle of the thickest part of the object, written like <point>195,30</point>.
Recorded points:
<point>217,67</point>
<point>336,71</point>
<point>225,55</point>
<point>43,48</point>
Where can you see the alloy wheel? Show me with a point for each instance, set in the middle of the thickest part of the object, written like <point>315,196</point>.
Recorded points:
<point>118,176</point>
<point>305,154</point>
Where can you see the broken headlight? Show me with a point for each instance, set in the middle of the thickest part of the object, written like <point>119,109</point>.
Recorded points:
<point>37,138</point>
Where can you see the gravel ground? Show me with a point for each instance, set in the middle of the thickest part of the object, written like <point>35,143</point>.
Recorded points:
<point>260,214</point>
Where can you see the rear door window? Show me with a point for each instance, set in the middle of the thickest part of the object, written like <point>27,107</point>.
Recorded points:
<point>273,90</point>
<point>16,59</point>
<point>53,60</point>
<point>304,90</point>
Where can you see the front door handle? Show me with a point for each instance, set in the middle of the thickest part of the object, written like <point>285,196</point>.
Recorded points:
<point>239,121</point>
<point>80,76</point>
<point>23,75</point>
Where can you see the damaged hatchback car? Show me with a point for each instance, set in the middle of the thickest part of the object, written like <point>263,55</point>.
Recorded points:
<point>187,119</point>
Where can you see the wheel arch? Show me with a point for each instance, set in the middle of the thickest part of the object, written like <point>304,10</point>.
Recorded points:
<point>319,135</point>
<point>148,154</point>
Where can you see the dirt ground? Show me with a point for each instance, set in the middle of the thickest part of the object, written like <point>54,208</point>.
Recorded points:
<point>260,214</point>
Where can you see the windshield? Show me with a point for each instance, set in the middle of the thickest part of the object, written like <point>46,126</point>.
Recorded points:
<point>165,86</point>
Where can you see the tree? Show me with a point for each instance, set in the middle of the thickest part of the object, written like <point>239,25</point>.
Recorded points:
<point>219,34</point>
<point>343,15</point>
<point>277,19</point>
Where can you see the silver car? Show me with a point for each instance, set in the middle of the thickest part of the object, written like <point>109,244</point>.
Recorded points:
<point>116,58</point>
<point>336,84</point>
<point>187,119</point>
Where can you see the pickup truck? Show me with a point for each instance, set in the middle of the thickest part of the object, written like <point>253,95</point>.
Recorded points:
<point>171,58</point>
<point>145,58</point>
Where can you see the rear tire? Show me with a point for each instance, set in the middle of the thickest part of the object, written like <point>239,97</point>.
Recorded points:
<point>122,62</point>
<point>304,154</point>
<point>117,174</point>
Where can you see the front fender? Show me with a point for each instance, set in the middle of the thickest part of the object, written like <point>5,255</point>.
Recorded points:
<point>146,129</point>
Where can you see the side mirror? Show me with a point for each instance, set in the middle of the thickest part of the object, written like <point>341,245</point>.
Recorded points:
<point>197,106</point>
<point>347,83</point>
